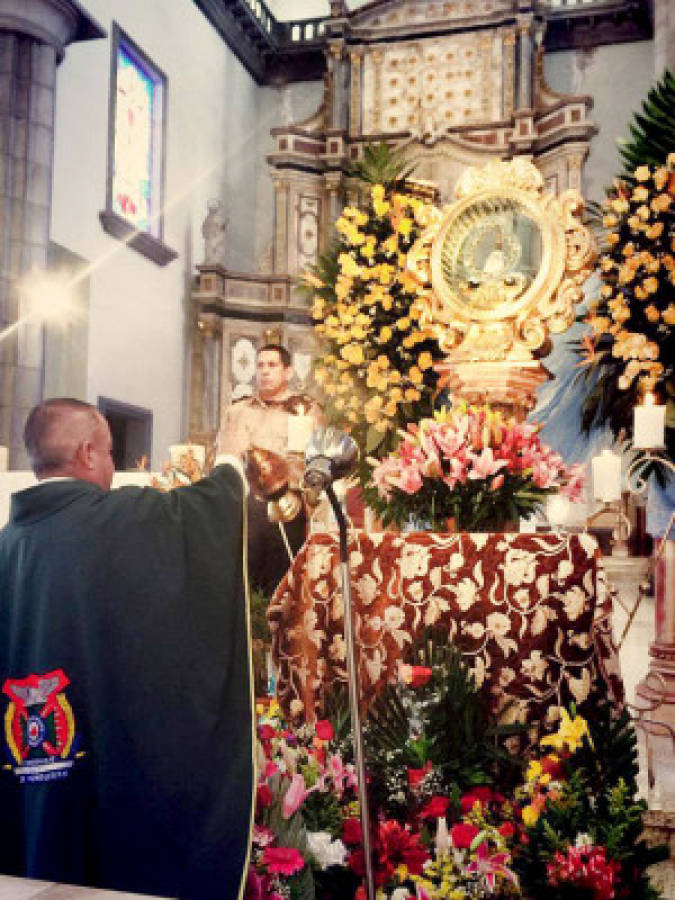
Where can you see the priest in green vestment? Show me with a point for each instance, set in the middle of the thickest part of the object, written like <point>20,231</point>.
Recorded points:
<point>127,750</point>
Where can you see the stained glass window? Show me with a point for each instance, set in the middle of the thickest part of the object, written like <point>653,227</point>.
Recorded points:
<point>137,133</point>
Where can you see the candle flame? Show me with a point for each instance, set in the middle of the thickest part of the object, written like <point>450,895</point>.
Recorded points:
<point>650,399</point>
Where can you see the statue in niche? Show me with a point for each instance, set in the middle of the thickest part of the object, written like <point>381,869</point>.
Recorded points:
<point>214,231</point>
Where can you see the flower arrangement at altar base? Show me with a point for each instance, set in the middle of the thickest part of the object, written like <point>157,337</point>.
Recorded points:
<point>377,372</point>
<point>571,828</point>
<point>631,343</point>
<point>472,465</point>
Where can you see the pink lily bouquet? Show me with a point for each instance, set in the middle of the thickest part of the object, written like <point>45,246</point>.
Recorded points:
<point>471,465</point>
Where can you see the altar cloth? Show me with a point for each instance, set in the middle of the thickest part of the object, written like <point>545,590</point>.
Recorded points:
<point>531,614</point>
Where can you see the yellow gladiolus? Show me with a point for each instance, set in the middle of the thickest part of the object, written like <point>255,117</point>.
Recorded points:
<point>425,360</point>
<point>642,173</point>
<point>530,815</point>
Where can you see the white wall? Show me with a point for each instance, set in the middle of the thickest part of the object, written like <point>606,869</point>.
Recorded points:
<point>137,324</point>
<point>618,78</point>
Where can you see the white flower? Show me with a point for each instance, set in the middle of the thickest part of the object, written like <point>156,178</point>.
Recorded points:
<point>574,602</point>
<point>520,566</point>
<point>498,623</point>
<point>318,561</point>
<point>394,617</point>
<point>414,562</point>
<point>465,594</point>
<point>326,851</point>
<point>366,588</point>
<point>535,666</point>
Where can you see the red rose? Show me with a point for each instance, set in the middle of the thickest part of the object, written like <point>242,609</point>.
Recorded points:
<point>266,732</point>
<point>263,796</point>
<point>507,829</point>
<point>551,765</point>
<point>356,862</point>
<point>416,776</point>
<point>435,808</point>
<point>462,835</point>
<point>420,676</point>
<point>479,794</point>
<point>351,831</point>
<point>414,856</point>
<point>324,730</point>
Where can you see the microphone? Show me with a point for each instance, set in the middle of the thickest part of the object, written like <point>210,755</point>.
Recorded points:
<point>329,456</point>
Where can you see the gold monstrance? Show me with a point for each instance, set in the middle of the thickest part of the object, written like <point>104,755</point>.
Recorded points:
<point>506,264</point>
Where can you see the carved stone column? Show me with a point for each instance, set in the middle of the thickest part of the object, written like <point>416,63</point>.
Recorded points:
<point>333,182</point>
<point>526,52</point>
<point>355,58</point>
<point>340,77</point>
<point>281,224</point>
<point>33,37</point>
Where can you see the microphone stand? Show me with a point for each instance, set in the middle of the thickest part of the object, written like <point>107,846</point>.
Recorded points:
<point>354,692</point>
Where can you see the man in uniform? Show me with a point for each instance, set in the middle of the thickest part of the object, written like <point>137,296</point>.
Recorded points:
<point>124,672</point>
<point>263,421</point>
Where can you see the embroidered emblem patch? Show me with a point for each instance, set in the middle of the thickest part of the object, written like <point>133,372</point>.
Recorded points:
<point>39,726</point>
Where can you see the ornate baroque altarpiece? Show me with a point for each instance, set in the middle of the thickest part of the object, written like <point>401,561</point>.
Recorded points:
<point>453,83</point>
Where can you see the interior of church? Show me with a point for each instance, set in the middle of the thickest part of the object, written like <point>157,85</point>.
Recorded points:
<point>429,219</point>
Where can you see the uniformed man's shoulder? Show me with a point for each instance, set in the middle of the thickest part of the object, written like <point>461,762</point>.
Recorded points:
<point>301,402</point>
<point>249,401</point>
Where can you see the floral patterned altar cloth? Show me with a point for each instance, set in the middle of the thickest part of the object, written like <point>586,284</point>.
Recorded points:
<point>530,612</point>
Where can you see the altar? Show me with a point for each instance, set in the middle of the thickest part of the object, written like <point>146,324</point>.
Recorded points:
<point>531,614</point>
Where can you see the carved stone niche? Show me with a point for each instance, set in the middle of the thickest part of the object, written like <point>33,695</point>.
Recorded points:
<point>505,264</point>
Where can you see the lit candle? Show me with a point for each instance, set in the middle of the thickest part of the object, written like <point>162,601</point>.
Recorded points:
<point>178,452</point>
<point>649,424</point>
<point>4,458</point>
<point>607,476</point>
<point>300,428</point>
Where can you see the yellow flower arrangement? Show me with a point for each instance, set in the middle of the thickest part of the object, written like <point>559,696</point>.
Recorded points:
<point>631,340</point>
<point>371,314</point>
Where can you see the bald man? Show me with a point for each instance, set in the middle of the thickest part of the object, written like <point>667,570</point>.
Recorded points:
<point>124,670</point>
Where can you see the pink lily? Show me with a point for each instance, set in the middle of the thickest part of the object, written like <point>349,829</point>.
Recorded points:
<point>485,465</point>
<point>574,487</point>
<point>490,866</point>
<point>295,796</point>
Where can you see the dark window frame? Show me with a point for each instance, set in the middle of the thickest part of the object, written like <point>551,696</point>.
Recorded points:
<point>106,406</point>
<point>150,244</point>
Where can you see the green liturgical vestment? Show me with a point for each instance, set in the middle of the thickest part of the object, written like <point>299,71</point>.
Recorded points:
<point>127,756</point>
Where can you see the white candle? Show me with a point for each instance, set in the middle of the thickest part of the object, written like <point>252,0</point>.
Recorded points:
<point>300,430</point>
<point>557,509</point>
<point>649,424</point>
<point>607,476</point>
<point>4,458</point>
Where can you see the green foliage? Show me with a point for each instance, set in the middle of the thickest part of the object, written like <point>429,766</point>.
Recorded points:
<point>445,723</point>
<point>598,801</point>
<point>381,165</point>
<point>653,130</point>
<point>260,628</point>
